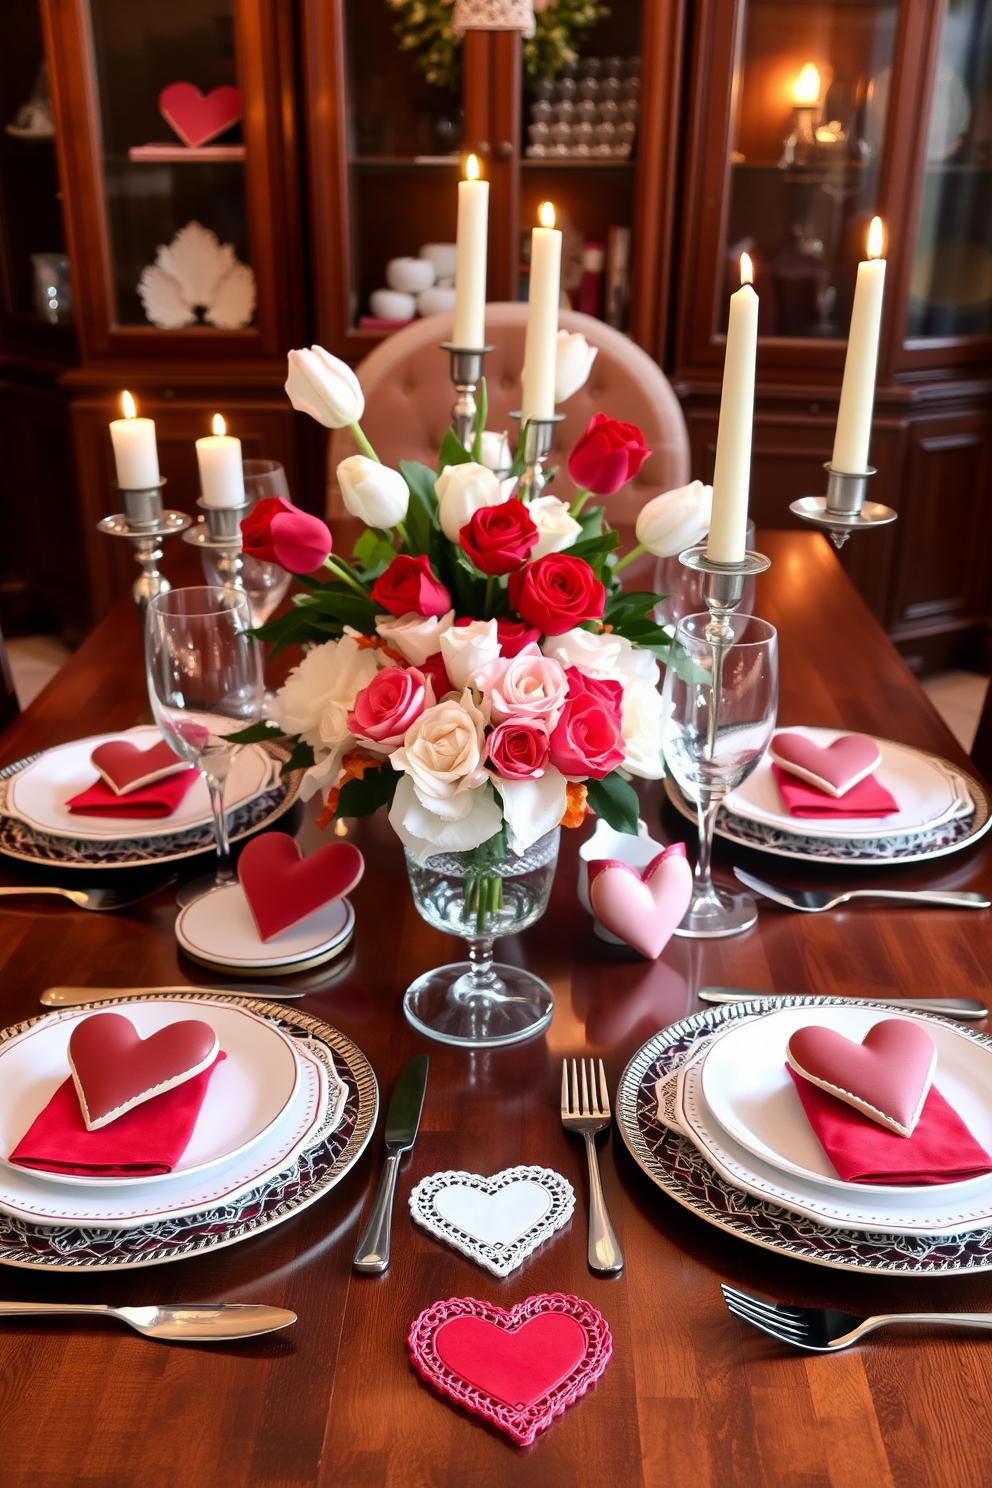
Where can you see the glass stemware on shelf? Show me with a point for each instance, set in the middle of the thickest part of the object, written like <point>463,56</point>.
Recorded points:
<point>481,895</point>
<point>265,583</point>
<point>719,707</point>
<point>205,683</point>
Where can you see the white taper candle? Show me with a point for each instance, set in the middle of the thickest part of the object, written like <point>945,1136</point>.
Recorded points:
<point>857,393</point>
<point>469,330</point>
<point>732,472</point>
<point>540,346</point>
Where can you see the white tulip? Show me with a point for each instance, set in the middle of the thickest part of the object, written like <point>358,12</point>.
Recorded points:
<point>467,649</point>
<point>496,453</point>
<point>556,526</point>
<point>376,494</point>
<point>573,363</point>
<point>677,520</point>
<point>324,387</point>
<point>414,636</point>
<point>462,490</point>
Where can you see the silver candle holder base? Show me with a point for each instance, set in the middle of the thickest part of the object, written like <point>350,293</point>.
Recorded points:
<point>844,509</point>
<point>538,435</point>
<point>219,532</point>
<point>466,374</point>
<point>144,524</point>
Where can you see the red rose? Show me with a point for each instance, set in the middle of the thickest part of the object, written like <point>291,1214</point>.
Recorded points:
<point>513,636</point>
<point>586,741</point>
<point>606,455</point>
<point>276,531</point>
<point>605,688</point>
<point>435,672</point>
<point>498,539</point>
<point>385,709</point>
<point>519,748</point>
<point>408,586</point>
<point>557,593</point>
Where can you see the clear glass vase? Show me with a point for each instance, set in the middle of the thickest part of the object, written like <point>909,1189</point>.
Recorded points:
<point>481,895</point>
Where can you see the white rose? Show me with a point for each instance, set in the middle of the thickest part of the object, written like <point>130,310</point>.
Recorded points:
<point>640,724</point>
<point>635,666</point>
<point>532,807</point>
<point>443,754</point>
<point>318,695</point>
<point>324,387</point>
<point>461,491</point>
<point>573,363</point>
<point>467,648</point>
<point>677,520</point>
<point>594,655</point>
<point>496,453</point>
<point>414,636</point>
<point>372,492</point>
<point>425,833</point>
<point>556,527</point>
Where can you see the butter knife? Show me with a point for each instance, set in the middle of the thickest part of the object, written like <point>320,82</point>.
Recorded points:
<point>74,996</point>
<point>402,1124</point>
<point>968,1009</point>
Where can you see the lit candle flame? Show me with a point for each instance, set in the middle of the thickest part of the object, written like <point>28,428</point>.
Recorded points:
<point>747,269</point>
<point>546,214</point>
<point>806,88</point>
<point>471,169</point>
<point>875,238</point>
<point>128,404</point>
<point>219,426</point>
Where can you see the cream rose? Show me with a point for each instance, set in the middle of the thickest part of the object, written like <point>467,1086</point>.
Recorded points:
<point>425,833</point>
<point>556,526</point>
<point>414,636</point>
<point>461,491</point>
<point>527,685</point>
<point>315,701</point>
<point>468,648</point>
<point>594,655</point>
<point>443,754</point>
<point>640,725</point>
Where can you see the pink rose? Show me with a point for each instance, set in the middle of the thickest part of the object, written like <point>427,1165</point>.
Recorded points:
<point>586,742</point>
<point>528,685</point>
<point>385,709</point>
<point>519,748</point>
<point>602,687</point>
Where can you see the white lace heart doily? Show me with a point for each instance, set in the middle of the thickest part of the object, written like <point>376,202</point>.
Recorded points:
<point>497,1221</point>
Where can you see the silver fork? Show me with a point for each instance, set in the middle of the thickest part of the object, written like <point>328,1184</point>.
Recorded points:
<point>813,902</point>
<point>587,1118</point>
<point>100,900</point>
<point>821,1330</point>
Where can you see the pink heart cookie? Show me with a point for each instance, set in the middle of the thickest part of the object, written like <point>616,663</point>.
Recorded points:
<point>643,909</point>
<point>282,887</point>
<point>887,1076</point>
<point>834,769</point>
<point>199,118</point>
<point>115,1069</point>
<point>127,768</point>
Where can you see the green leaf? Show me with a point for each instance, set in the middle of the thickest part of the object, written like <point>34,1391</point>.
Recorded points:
<point>293,628</point>
<point>481,414</point>
<point>373,552</point>
<point>615,800</point>
<point>301,757</point>
<point>422,522</point>
<point>339,603</point>
<point>594,551</point>
<point>256,733</point>
<point>452,451</point>
<point>362,797</point>
<point>519,460</point>
<point>590,519</point>
<point>634,604</point>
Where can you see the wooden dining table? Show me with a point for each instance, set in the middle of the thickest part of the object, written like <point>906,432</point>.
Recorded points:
<point>691,1396</point>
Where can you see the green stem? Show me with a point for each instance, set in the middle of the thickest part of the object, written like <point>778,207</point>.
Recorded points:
<point>581,497</point>
<point>363,443</point>
<point>403,534</point>
<point>629,557</point>
<point>490,586</point>
<point>342,571</point>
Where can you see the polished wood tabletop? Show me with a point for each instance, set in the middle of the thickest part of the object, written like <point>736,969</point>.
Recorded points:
<point>691,1396</point>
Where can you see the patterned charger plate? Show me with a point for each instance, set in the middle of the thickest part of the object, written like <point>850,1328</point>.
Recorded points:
<point>675,1165</point>
<point>319,1167</point>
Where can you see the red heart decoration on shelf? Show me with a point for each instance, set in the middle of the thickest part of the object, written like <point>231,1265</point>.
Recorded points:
<point>127,768</point>
<point>642,908</point>
<point>199,118</point>
<point>518,1368</point>
<point>887,1076</point>
<point>114,1068</point>
<point>834,769</point>
<point>282,887</point>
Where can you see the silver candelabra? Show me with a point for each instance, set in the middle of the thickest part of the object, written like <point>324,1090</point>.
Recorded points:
<point>144,523</point>
<point>466,374</point>
<point>844,509</point>
<point>538,435</point>
<point>219,530</point>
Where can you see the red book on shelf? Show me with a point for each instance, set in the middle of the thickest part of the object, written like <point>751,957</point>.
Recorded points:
<point>376,323</point>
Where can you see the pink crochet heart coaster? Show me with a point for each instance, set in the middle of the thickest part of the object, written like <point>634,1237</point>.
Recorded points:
<point>642,908</point>
<point>127,768</point>
<point>199,118</point>
<point>282,887</point>
<point>115,1069</point>
<point>517,1369</point>
<point>834,769</point>
<point>887,1076</point>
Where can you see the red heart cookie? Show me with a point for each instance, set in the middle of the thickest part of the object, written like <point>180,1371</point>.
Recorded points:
<point>282,887</point>
<point>518,1368</point>
<point>127,768</point>
<point>642,908</point>
<point>887,1076</point>
<point>114,1068</point>
<point>196,118</point>
<point>834,769</point>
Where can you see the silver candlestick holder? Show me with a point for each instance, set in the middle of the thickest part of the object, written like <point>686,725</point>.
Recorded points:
<point>466,374</point>
<point>844,509</point>
<point>144,523</point>
<point>218,532</point>
<point>538,435</point>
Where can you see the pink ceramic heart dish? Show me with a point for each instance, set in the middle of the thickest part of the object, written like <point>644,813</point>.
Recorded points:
<point>642,908</point>
<point>835,769</point>
<point>887,1076</point>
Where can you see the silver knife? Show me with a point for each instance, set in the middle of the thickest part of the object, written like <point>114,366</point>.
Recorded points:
<point>402,1122</point>
<point>968,1009</point>
<point>74,996</point>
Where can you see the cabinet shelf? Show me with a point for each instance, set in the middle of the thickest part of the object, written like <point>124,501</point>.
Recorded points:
<point>404,162</point>
<point>564,162</point>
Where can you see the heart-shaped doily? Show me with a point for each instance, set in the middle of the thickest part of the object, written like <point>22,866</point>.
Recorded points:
<point>644,908</point>
<point>887,1076</point>
<point>518,1369</point>
<point>127,768</point>
<point>497,1221</point>
<point>282,887</point>
<point>114,1068</point>
<point>199,118</point>
<point>834,769</point>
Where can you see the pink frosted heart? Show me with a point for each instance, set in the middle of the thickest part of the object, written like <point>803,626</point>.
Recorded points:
<point>887,1076</point>
<point>643,909</point>
<point>834,769</point>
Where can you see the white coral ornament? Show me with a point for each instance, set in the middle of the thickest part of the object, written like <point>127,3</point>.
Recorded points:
<point>197,274</point>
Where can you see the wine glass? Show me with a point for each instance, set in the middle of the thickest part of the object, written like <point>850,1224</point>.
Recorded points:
<point>682,587</point>
<point>265,583</point>
<point>204,682</point>
<point>718,714</point>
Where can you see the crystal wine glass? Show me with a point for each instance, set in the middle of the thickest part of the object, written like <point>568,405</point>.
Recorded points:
<point>265,583</point>
<point>682,588</point>
<point>719,706</point>
<point>204,682</point>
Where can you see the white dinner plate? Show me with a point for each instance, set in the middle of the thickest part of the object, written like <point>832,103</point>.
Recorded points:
<point>218,928</point>
<point>249,1092</point>
<point>38,794</point>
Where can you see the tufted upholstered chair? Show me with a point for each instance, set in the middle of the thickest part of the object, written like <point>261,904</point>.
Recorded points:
<point>408,398</point>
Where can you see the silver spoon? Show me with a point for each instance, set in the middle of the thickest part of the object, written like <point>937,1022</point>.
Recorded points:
<point>812,902</point>
<point>179,1322</point>
<point>101,900</point>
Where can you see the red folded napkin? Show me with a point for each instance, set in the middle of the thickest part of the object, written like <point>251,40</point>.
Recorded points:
<point>867,798</point>
<point>159,799</point>
<point>941,1149</point>
<point>150,1138</point>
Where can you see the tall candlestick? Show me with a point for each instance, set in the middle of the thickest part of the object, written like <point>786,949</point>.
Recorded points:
<point>135,450</point>
<point>732,473</point>
<point>469,330</point>
<point>857,394</point>
<point>218,455</point>
<point>540,346</point>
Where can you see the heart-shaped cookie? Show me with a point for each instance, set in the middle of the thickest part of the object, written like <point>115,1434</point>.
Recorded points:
<point>497,1221</point>
<point>518,1368</point>
<point>199,118</point>
<point>644,908</point>
<point>114,1068</point>
<point>887,1076</point>
<point>834,769</point>
<point>127,768</point>
<point>282,887</point>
